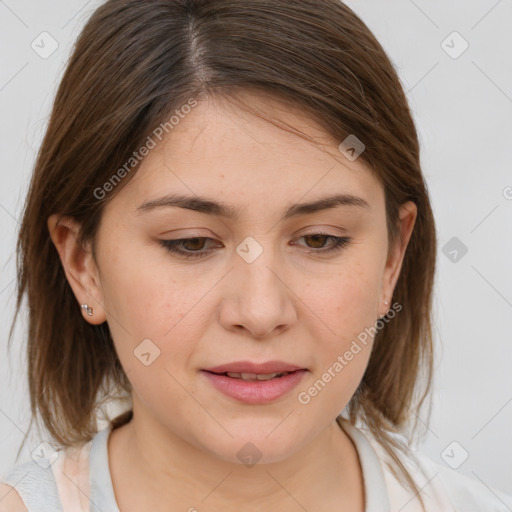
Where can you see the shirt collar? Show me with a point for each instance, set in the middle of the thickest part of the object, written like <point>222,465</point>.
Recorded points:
<point>375,492</point>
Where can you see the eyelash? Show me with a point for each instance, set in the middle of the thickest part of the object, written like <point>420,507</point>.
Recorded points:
<point>173,245</point>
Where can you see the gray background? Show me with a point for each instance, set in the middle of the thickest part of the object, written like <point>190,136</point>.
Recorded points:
<point>463,111</point>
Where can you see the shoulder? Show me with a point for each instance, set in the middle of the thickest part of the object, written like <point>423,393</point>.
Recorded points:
<point>30,486</point>
<point>466,493</point>
<point>442,487</point>
<point>52,480</point>
<point>10,500</point>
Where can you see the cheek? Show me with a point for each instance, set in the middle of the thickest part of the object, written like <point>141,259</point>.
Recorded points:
<point>346,304</point>
<point>141,292</point>
<point>165,313</point>
<point>344,309</point>
<point>150,311</point>
<point>344,314</point>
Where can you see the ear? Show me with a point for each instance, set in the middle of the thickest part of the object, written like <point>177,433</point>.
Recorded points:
<point>406,219</point>
<point>79,266</point>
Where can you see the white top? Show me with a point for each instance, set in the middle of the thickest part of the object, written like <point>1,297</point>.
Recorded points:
<point>79,480</point>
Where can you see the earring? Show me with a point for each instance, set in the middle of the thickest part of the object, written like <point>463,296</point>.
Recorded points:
<point>387,304</point>
<point>87,308</point>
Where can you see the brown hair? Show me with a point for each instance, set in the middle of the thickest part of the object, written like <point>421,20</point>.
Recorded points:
<point>134,64</point>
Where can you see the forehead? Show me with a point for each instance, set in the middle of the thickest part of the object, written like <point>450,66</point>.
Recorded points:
<point>218,150</point>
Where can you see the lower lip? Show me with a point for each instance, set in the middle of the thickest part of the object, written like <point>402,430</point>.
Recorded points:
<point>255,392</point>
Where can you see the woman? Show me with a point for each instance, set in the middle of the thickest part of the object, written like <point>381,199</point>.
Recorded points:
<point>228,226</point>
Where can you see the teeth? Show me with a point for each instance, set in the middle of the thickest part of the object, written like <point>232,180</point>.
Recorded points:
<point>254,376</point>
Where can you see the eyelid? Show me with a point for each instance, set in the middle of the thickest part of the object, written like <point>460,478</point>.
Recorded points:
<point>320,230</point>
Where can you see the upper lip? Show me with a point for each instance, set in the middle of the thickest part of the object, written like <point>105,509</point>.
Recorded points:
<point>257,368</point>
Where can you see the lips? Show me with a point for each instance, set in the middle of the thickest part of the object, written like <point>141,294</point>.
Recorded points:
<point>250,367</point>
<point>254,391</point>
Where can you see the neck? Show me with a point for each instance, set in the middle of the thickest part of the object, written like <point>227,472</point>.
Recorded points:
<point>155,466</point>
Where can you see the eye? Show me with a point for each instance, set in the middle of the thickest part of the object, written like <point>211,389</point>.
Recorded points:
<point>194,247</point>
<point>318,242</point>
<point>195,244</point>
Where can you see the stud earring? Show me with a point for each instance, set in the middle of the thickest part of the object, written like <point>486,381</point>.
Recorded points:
<point>382,316</point>
<point>87,308</point>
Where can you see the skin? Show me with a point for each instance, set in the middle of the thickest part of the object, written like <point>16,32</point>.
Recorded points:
<point>289,304</point>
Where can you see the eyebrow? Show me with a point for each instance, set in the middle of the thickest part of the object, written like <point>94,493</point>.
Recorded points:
<point>210,207</point>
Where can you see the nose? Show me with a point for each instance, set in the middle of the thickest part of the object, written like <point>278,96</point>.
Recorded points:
<point>258,297</point>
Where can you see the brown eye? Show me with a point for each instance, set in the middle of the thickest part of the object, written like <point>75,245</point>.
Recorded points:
<point>318,240</point>
<point>188,247</point>
<point>194,244</point>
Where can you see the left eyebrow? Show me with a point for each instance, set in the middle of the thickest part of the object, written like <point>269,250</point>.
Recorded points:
<point>210,207</point>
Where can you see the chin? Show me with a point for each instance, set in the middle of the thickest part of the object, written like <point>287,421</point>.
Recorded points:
<point>249,450</point>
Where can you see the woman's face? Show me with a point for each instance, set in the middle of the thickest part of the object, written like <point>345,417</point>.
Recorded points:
<point>258,285</point>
